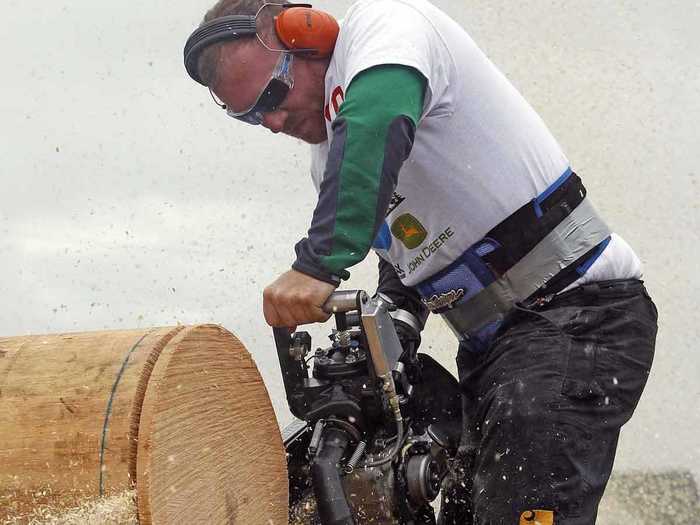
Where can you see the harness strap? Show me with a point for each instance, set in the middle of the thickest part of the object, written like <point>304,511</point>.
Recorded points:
<point>519,233</point>
<point>579,233</point>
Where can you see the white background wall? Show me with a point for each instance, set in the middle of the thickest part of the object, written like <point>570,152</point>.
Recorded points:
<point>127,199</point>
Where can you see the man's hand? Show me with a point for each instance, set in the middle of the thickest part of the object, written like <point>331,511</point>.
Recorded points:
<point>295,298</point>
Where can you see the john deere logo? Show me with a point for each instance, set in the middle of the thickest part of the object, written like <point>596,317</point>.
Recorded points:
<point>409,231</point>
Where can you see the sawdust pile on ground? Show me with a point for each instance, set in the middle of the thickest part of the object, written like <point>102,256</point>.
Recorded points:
<point>114,510</point>
<point>639,498</point>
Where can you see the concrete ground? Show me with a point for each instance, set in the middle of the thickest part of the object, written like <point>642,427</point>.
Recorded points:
<point>129,200</point>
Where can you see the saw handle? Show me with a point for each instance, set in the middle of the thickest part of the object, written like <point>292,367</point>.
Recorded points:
<point>338,303</point>
<point>345,301</point>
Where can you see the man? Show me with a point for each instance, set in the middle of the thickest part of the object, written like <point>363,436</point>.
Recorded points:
<point>423,151</point>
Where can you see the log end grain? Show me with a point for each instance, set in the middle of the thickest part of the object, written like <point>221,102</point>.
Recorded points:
<point>209,447</point>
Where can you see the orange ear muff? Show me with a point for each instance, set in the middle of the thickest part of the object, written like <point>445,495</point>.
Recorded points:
<point>307,30</point>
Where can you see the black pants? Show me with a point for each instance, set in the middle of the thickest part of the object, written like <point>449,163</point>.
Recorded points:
<point>545,404</point>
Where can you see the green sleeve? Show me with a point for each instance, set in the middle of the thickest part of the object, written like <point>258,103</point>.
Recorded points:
<point>372,137</point>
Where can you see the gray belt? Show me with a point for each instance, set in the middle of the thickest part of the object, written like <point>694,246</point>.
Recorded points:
<point>578,233</point>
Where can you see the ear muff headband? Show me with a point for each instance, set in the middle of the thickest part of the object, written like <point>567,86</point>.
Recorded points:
<point>213,32</point>
<point>300,28</point>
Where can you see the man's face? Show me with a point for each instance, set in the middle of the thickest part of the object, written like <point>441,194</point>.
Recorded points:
<point>244,71</point>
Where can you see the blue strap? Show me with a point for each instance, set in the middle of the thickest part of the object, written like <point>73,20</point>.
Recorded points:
<point>550,189</point>
<point>593,258</point>
<point>383,240</point>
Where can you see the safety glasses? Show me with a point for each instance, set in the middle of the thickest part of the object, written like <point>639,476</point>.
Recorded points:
<point>271,97</point>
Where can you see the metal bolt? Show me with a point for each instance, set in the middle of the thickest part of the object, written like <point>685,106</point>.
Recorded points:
<point>343,338</point>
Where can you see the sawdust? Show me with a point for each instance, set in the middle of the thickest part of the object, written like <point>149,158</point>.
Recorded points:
<point>304,512</point>
<point>113,510</point>
<point>641,498</point>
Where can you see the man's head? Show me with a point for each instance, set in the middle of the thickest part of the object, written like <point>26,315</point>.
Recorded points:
<point>238,71</point>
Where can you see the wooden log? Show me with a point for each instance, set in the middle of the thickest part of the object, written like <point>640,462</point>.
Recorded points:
<point>181,413</point>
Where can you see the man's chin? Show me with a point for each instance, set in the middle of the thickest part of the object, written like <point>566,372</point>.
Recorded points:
<point>316,136</point>
<point>309,138</point>
<point>308,134</point>
<point>314,140</point>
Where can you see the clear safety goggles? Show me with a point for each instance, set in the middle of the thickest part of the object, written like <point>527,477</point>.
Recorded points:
<point>271,97</point>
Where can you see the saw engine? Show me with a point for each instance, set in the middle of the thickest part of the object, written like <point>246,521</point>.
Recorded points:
<point>378,425</point>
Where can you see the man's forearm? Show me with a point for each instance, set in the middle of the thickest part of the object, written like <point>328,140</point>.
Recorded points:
<point>372,137</point>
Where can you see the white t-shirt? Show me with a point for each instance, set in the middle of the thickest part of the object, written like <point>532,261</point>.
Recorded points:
<point>480,150</point>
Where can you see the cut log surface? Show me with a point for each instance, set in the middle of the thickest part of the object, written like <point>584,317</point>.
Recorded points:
<point>212,451</point>
<point>180,412</point>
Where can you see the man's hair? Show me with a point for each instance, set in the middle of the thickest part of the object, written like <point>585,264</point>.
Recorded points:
<point>209,59</point>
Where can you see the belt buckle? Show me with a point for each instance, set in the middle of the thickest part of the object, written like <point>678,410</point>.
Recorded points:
<point>444,301</point>
<point>538,302</point>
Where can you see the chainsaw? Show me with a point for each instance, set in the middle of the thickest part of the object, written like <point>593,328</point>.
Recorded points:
<point>377,435</point>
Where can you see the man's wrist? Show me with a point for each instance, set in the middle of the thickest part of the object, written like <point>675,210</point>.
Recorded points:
<point>316,273</point>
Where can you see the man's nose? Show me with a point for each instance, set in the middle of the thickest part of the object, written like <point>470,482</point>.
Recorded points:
<point>274,120</point>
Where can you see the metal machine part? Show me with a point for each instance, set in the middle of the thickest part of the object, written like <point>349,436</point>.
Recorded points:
<point>386,349</point>
<point>363,448</point>
<point>333,506</point>
<point>402,315</point>
<point>423,477</point>
<point>384,344</point>
<point>345,301</point>
<point>373,494</point>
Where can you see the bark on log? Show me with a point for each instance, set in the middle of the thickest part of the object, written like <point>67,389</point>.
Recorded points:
<point>181,413</point>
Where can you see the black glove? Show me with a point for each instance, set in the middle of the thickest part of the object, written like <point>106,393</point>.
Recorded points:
<point>410,339</point>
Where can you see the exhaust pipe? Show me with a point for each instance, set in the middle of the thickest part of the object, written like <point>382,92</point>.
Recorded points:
<point>333,507</point>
